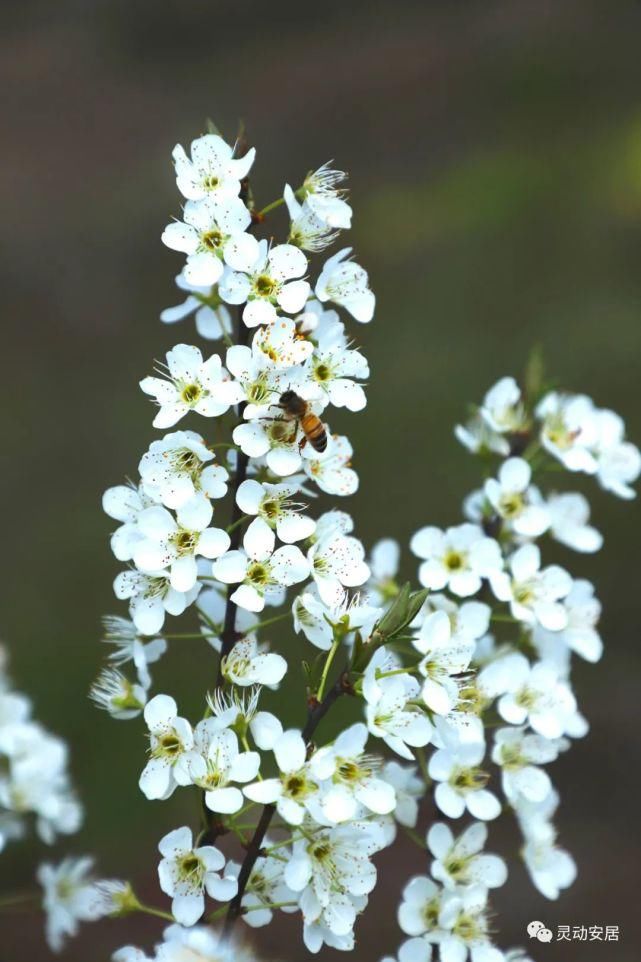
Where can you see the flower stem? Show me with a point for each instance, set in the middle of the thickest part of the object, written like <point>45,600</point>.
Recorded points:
<point>315,716</point>
<point>237,523</point>
<point>158,913</point>
<point>19,899</point>
<point>396,671</point>
<point>328,664</point>
<point>416,838</point>
<point>270,207</point>
<point>270,621</point>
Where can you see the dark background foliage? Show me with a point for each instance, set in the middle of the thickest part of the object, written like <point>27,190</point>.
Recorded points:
<point>495,155</point>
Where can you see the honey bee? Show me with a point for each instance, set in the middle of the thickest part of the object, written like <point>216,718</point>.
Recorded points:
<point>296,408</point>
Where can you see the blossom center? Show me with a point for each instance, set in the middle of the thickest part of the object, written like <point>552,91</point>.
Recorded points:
<point>186,461</point>
<point>469,779</point>
<point>467,927</point>
<point>185,541</point>
<point>168,745</point>
<point>270,508</point>
<point>523,593</point>
<point>211,240</point>
<point>431,912</point>
<point>280,431</point>
<point>191,869</point>
<point>454,560</point>
<point>190,393</point>
<point>265,286</point>
<point>258,573</point>
<point>322,372</point>
<point>511,505</point>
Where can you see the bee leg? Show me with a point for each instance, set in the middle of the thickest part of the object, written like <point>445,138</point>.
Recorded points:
<point>301,444</point>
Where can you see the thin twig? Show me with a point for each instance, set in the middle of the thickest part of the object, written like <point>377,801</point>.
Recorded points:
<point>316,713</point>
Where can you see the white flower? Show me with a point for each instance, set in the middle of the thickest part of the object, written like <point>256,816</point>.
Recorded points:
<point>470,619</point>
<point>478,437</point>
<point>519,755</point>
<point>185,872</point>
<point>568,431</point>
<point>215,763</point>
<point>409,788</point>
<point>191,384</point>
<point>34,777</point>
<point>246,664</point>
<point>259,383</point>
<point>113,692</point>
<point>412,950</point>
<point>212,170</point>
<point>271,282</point>
<point>462,783</point>
<point>354,779</point>
<point>326,198</point>
<point>383,564</point>
<point>321,326</point>
<point>317,620</point>
<point>332,370</point>
<point>534,593</point>
<point>346,283</point>
<point>457,861</point>
<point>551,868</point>
<point>212,603</point>
<point>240,709</point>
<point>276,439</point>
<point>420,906</point>
<point>337,562</point>
<point>580,634</point>
<point>399,724</point>
<point>129,953</point>
<point>502,409</point>
<point>293,789</point>
<point>280,346</point>
<point>332,471</point>
<point>457,558</point>
<point>169,738</point>
<point>258,569</point>
<point>332,872</point>
<point>150,596</point>
<point>537,695</point>
<point>175,472</point>
<point>129,646</point>
<point>307,230</point>
<point>569,515</point>
<point>447,653</point>
<point>213,319</point>
<point>265,887</point>
<point>69,898</point>
<point>198,944</point>
<point>212,235</point>
<point>618,461</point>
<point>515,501</point>
<point>464,917</point>
<point>174,543</point>
<point>275,505</point>
<point>124,503</point>
<point>458,730</point>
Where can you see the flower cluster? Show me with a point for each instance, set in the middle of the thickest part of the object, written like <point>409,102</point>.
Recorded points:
<point>263,447</point>
<point>495,640</point>
<point>34,776</point>
<point>466,681</point>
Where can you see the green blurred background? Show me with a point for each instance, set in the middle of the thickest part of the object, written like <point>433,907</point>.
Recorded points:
<point>495,158</point>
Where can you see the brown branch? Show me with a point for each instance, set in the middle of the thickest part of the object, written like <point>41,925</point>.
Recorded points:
<point>229,635</point>
<point>315,715</point>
